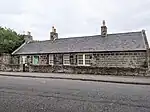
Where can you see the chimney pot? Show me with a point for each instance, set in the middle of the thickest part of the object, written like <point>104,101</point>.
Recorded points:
<point>28,33</point>
<point>103,22</point>
<point>53,28</point>
<point>103,29</point>
<point>53,34</point>
<point>28,37</point>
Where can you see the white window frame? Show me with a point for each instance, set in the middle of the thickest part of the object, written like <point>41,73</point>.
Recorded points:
<point>66,59</point>
<point>23,59</point>
<point>20,60</point>
<point>79,59</point>
<point>87,59</point>
<point>51,59</point>
<point>84,59</point>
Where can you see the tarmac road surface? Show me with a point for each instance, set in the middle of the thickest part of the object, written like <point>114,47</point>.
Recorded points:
<point>55,95</point>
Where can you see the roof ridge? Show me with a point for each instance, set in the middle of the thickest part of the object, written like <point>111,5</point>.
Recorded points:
<point>87,36</point>
<point>107,34</point>
<point>125,32</point>
<point>39,41</point>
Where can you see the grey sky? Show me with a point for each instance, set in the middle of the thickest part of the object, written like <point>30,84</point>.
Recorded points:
<point>75,17</point>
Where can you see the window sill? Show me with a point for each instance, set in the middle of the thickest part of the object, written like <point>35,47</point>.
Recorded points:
<point>82,65</point>
<point>67,64</point>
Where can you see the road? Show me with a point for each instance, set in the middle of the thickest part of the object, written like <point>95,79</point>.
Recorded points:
<point>49,95</point>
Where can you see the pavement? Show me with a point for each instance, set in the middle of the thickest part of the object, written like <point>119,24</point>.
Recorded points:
<point>83,77</point>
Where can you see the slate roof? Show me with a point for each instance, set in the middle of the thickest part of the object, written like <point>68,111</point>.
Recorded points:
<point>113,42</point>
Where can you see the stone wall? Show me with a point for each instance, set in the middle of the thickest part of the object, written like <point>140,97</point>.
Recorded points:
<point>119,63</point>
<point>11,68</point>
<point>43,59</point>
<point>114,63</point>
<point>9,63</point>
<point>5,58</point>
<point>89,70</point>
<point>112,59</point>
<point>120,59</point>
<point>15,60</point>
<point>9,59</point>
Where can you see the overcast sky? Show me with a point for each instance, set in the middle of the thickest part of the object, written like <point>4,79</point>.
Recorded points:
<point>75,17</point>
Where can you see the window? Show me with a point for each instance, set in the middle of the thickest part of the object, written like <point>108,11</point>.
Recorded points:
<point>116,53</point>
<point>36,60</point>
<point>80,62</point>
<point>135,53</point>
<point>88,58</point>
<point>66,59</point>
<point>80,59</point>
<point>51,59</point>
<point>84,59</point>
<point>71,59</point>
<point>58,59</point>
<point>122,53</point>
<point>23,59</point>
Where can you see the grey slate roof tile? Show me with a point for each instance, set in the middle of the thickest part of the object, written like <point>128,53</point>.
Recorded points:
<point>96,43</point>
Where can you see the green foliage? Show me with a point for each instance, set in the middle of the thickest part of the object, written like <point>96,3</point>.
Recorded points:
<point>9,40</point>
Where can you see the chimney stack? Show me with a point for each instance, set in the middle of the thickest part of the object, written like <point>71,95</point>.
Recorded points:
<point>53,34</point>
<point>27,36</point>
<point>28,33</point>
<point>104,29</point>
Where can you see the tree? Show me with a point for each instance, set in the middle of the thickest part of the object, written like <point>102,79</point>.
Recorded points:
<point>9,40</point>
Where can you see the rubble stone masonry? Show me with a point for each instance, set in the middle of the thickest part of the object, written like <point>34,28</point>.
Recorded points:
<point>113,63</point>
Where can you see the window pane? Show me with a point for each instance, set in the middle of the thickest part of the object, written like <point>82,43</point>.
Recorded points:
<point>87,62</point>
<point>80,61</point>
<point>71,59</point>
<point>51,57</point>
<point>66,56</point>
<point>58,59</point>
<point>71,56</point>
<point>88,56</point>
<point>80,56</point>
<point>66,62</point>
<point>66,59</point>
<point>36,60</point>
<point>51,62</point>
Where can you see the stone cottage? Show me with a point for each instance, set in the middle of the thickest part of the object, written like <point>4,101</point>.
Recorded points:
<point>118,54</point>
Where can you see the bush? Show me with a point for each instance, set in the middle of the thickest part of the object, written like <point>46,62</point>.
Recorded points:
<point>9,40</point>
